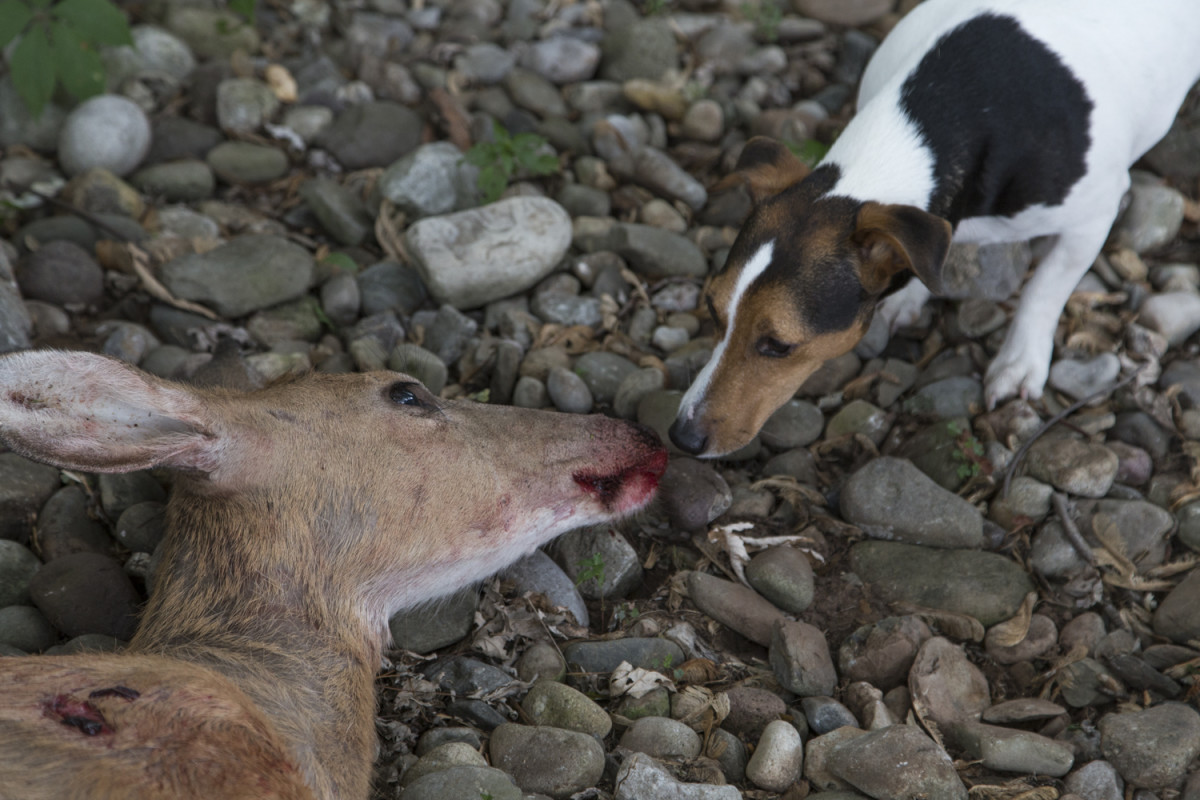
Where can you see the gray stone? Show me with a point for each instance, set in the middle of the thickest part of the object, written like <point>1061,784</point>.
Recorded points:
<point>433,179</point>
<point>843,12</point>
<point>603,373</point>
<point>661,737</point>
<point>19,126</point>
<point>473,257</point>
<point>211,33</point>
<point>1009,750</point>
<point>547,760</point>
<point>107,131</point>
<point>61,273</point>
<point>642,778</point>
<point>783,575</point>
<point>25,486</point>
<point>423,365</point>
<point>246,162</point>
<point>1079,379</point>
<point>485,63</point>
<point>658,253</point>
<point>388,286</point>
<point>16,325</point>
<point>248,273</point>
<point>531,91</point>
<point>244,105</point>
<point>1072,465</point>
<point>1096,780</point>
<point>1151,748</point>
<point>988,271</point>
<point>646,49</point>
<point>428,628</point>
<point>562,59</point>
<point>463,780</point>
<point>567,309</point>
<point>948,398</point>
<point>889,498</point>
<point>693,493</point>
<point>867,762</point>
<point>65,527</point>
<point>858,417</point>
<point>796,423</point>
<point>568,392</point>
<point>602,657</point>
<point>372,134</point>
<point>1153,217</point>
<point>735,606</point>
<point>339,210</point>
<point>176,181</point>
<point>17,566</point>
<point>633,388</point>
<point>800,659</point>
<point>86,593</point>
<point>141,526</point>
<point>601,562</point>
<point>1176,315</point>
<point>778,759</point>
<point>537,572</point>
<point>987,586</point>
<point>25,628</point>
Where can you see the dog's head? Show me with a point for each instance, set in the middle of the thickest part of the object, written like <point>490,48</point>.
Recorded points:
<point>799,287</point>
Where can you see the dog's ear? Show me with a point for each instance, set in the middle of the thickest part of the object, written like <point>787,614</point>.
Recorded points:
<point>898,237</point>
<point>765,167</point>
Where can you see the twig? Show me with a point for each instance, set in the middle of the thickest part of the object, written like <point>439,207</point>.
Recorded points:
<point>1057,418</point>
<point>1070,530</point>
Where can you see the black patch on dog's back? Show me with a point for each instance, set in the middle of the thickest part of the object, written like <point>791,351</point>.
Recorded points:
<point>1006,120</point>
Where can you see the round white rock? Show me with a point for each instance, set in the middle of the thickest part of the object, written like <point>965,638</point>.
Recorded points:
<point>106,131</point>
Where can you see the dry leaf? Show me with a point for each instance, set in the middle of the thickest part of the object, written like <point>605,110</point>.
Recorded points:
<point>1013,631</point>
<point>636,681</point>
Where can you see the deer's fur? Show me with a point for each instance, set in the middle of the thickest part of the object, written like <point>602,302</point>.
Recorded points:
<point>302,516</point>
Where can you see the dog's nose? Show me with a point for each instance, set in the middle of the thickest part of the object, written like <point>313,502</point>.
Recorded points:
<point>688,437</point>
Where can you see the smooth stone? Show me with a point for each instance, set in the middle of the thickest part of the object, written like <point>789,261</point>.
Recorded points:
<point>1024,709</point>
<point>1176,315</point>
<point>604,656</point>
<point>867,762</point>
<point>246,162</point>
<point>783,575</point>
<point>582,551</point>
<point>661,737</point>
<point>428,628</point>
<point>373,134</point>
<point>799,656</point>
<point>541,660</point>
<point>858,417</point>
<point>635,386</point>
<point>851,13</point>
<point>1176,617</point>
<point>108,131</point>
<point>889,498</point>
<point>433,179</point>
<point>882,653</point>
<point>1009,750</point>
<point>560,706</point>
<point>25,486</point>
<point>64,526</point>
<point>1151,748</point>
<point>463,780</point>
<point>61,273</point>
<point>735,606</point>
<point>141,527</point>
<point>984,585</point>
<point>1079,379</point>
<point>26,628</point>
<point>1072,465</point>
<point>693,493</point>
<point>388,286</point>
<point>176,181</point>
<point>778,759</point>
<point>244,105</point>
<point>537,572</point>
<point>642,778</point>
<point>797,423</point>
<point>603,373</point>
<point>338,209</point>
<point>949,398</point>
<point>824,714</point>
<point>946,686</point>
<point>657,253</point>
<point>17,566</point>
<point>554,762</point>
<point>86,593</point>
<point>1153,218</point>
<point>645,49</point>
<point>248,273</point>
<point>1096,780</point>
<point>471,258</point>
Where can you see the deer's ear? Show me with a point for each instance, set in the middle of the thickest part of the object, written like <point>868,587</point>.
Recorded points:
<point>93,413</point>
<point>893,238</point>
<point>765,167</point>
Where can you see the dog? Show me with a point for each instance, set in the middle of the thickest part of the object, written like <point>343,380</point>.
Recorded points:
<point>978,120</point>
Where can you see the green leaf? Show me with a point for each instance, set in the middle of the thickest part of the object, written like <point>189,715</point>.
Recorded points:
<point>544,164</point>
<point>96,21</point>
<point>79,67</point>
<point>14,16</point>
<point>341,261</point>
<point>491,183</point>
<point>244,8</point>
<point>33,70</point>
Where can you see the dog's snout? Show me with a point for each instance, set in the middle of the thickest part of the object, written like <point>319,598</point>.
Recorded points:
<point>688,437</point>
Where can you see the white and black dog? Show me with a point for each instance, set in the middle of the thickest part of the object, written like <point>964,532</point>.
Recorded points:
<point>986,121</point>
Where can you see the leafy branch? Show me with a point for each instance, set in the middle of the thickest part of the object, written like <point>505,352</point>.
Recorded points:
<point>59,45</point>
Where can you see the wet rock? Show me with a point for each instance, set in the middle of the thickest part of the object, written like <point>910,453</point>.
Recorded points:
<point>473,257</point>
<point>890,498</point>
<point>987,586</point>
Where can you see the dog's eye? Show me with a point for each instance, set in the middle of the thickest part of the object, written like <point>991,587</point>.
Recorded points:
<point>773,348</point>
<point>403,393</point>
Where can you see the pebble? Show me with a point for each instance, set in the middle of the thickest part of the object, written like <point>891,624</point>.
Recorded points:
<point>340,212</point>
<point>373,134</point>
<point>107,131</point>
<point>388,286</point>
<point>246,162</point>
<point>1176,315</point>
<point>945,686</point>
<point>425,629</point>
<point>1041,636</point>
<point>1096,780</point>
<point>433,179</point>
<point>140,527</point>
<point>25,628</point>
<point>537,572</point>
<point>473,257</point>
<point>952,397</point>
<point>463,781</point>
<point>1153,217</point>
<point>604,373</point>
<point>86,593</point>
<point>797,423</point>
<point>824,714</point>
<point>693,493</point>
<point>867,763</point>
<point>661,737</point>
<point>1151,748</point>
<point>1175,616</point>
<point>882,653</point>
<point>541,660</point>
<point>750,710</point>
<point>446,755</point>
<point>17,566</point>
<point>1073,465</point>
<point>547,760</point>
<point>605,656</point>
<point>986,586</point>
<point>244,105</point>
<point>1079,379</point>
<point>247,274</point>
<point>64,526</point>
<point>582,552</point>
<point>61,273</point>
<point>799,656</point>
<point>784,576</point>
<point>25,486</point>
<point>843,12</point>
<point>1009,750</point>
<point>176,181</point>
<point>568,392</point>
<point>889,498</point>
<point>858,417</point>
<point>643,778</point>
<point>657,253</point>
<point>562,59</point>
<point>816,760</point>
<point>737,607</point>
<point>778,760</point>
<point>560,706</point>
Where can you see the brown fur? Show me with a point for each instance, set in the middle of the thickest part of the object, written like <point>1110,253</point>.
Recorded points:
<point>833,258</point>
<point>303,515</point>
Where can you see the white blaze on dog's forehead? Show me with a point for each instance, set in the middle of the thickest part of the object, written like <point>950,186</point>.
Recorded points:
<point>753,267</point>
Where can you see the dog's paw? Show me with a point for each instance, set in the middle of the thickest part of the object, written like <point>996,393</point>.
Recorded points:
<point>1016,373</point>
<point>901,309</point>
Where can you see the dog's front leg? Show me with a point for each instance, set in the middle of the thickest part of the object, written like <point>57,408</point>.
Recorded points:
<point>1023,362</point>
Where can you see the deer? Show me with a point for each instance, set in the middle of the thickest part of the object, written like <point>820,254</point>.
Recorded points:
<point>301,517</point>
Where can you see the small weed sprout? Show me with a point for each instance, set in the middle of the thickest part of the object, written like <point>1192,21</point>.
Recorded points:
<point>499,160</point>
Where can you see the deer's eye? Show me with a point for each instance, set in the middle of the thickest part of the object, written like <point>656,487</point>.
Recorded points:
<point>403,393</point>
<point>771,347</point>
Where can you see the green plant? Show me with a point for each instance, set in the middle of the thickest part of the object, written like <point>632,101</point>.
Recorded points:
<point>590,568</point>
<point>810,151</point>
<point>500,159</point>
<point>766,16</point>
<point>968,453</point>
<point>59,45</point>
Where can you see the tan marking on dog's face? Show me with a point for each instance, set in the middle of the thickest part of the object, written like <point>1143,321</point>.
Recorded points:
<point>747,386</point>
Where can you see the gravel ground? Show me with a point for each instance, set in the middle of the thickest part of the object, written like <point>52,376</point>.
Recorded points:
<point>887,574</point>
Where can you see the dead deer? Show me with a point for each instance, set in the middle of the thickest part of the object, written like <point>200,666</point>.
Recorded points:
<point>302,516</point>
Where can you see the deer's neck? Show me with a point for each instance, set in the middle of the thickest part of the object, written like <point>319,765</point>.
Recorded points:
<point>246,600</point>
